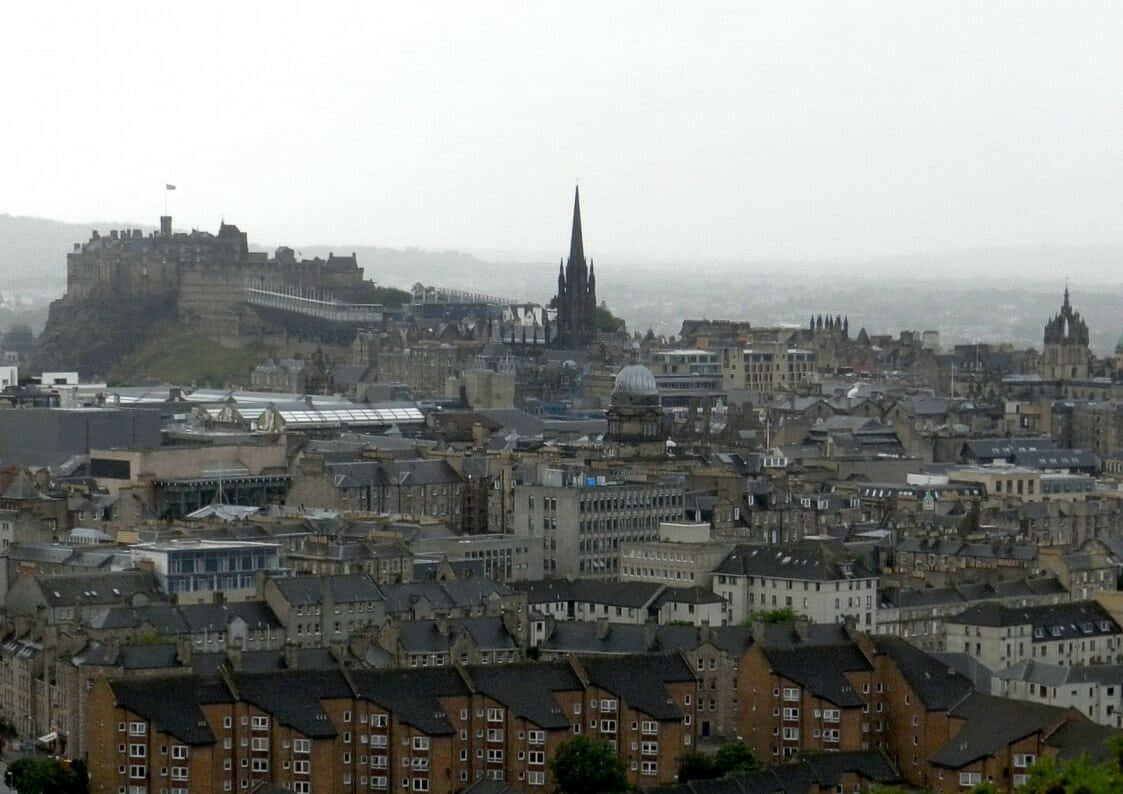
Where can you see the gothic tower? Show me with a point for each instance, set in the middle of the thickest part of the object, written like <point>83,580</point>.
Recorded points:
<point>576,301</point>
<point>1066,353</point>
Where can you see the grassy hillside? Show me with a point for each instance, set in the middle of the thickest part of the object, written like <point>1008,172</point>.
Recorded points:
<point>181,357</point>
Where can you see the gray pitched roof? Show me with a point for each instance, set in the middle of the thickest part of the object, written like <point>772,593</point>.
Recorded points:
<point>97,588</point>
<point>991,723</point>
<point>821,668</point>
<point>173,703</point>
<point>528,689</point>
<point>814,560</point>
<point>1075,620</point>
<point>294,697</point>
<point>634,680</point>
<point>414,695</point>
<point>937,685</point>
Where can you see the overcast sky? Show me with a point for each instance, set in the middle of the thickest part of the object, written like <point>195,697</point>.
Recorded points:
<point>742,129</point>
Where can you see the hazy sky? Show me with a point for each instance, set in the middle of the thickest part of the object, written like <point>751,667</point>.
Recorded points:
<point>742,129</point>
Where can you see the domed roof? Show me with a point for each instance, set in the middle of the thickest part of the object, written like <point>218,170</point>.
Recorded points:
<point>636,380</point>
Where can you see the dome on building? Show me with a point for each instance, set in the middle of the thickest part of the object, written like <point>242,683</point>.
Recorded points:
<point>635,380</point>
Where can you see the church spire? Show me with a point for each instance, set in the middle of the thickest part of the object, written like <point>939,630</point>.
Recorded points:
<point>576,244</point>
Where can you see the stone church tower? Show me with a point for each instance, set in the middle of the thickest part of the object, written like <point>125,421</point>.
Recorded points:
<point>576,301</point>
<point>1066,354</point>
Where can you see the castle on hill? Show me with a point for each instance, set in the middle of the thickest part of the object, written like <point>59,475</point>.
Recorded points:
<point>204,275</point>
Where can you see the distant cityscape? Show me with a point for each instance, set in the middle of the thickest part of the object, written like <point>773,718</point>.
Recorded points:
<point>267,524</point>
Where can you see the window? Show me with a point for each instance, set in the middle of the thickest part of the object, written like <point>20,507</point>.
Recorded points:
<point>1023,760</point>
<point>536,737</point>
<point>227,722</point>
<point>179,773</point>
<point>608,726</point>
<point>608,705</point>
<point>302,746</point>
<point>791,734</point>
<point>791,713</point>
<point>536,757</point>
<point>649,768</point>
<point>495,756</point>
<point>536,778</point>
<point>649,748</point>
<point>137,729</point>
<point>301,787</point>
<point>381,761</point>
<point>381,720</point>
<point>136,751</point>
<point>347,716</point>
<point>420,784</point>
<point>260,723</point>
<point>420,742</point>
<point>970,778</point>
<point>495,734</point>
<point>380,781</point>
<point>179,752</point>
<point>791,693</point>
<point>832,715</point>
<point>138,771</point>
<point>260,765</point>
<point>649,728</point>
<point>495,715</point>
<point>260,744</point>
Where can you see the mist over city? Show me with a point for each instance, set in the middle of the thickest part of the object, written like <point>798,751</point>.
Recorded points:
<point>583,398</point>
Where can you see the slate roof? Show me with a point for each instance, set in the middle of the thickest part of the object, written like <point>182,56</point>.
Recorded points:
<point>1079,737</point>
<point>97,588</point>
<point>173,703</point>
<point>147,657</point>
<point>1075,620</point>
<point>572,636</point>
<point>633,679</point>
<point>294,697</point>
<point>442,595</point>
<point>937,686</point>
<point>813,560</point>
<point>216,617</point>
<point>528,689</point>
<point>632,595</point>
<point>686,595</point>
<point>345,588</point>
<point>164,618</point>
<point>413,696</point>
<point>821,669</point>
<point>991,723</point>
<point>1004,448</point>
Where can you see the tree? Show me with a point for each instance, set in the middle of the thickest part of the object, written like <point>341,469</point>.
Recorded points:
<point>731,757</point>
<point>44,775</point>
<point>735,757</point>
<point>586,766</point>
<point>782,615</point>
<point>696,766</point>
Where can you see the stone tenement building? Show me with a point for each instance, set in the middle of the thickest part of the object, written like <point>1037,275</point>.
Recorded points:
<point>205,274</point>
<point>576,300</point>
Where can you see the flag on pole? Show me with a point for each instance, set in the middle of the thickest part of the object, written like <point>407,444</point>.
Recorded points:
<point>169,187</point>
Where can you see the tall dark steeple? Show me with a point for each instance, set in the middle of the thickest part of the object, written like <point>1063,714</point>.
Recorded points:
<point>576,244</point>
<point>576,300</point>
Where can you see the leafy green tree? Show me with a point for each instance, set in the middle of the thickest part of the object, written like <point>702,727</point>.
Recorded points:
<point>986,787</point>
<point>782,615</point>
<point>735,757</point>
<point>1079,776</point>
<point>696,766</point>
<point>586,766</point>
<point>43,775</point>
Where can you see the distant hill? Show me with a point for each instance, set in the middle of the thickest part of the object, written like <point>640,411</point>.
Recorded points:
<point>33,250</point>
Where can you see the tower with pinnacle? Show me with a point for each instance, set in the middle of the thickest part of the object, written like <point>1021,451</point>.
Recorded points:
<point>576,301</point>
<point>1066,351</point>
